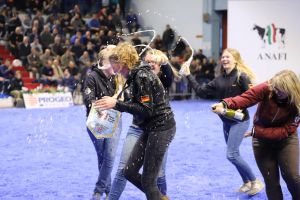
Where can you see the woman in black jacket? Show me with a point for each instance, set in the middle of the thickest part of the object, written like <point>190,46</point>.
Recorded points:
<point>151,112</point>
<point>235,79</point>
<point>101,82</point>
<point>160,66</point>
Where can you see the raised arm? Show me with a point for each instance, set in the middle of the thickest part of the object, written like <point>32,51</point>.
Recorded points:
<point>249,98</point>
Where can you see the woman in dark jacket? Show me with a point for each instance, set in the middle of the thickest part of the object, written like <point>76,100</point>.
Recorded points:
<point>101,82</point>
<point>275,139</point>
<point>235,79</point>
<point>159,65</point>
<point>151,112</point>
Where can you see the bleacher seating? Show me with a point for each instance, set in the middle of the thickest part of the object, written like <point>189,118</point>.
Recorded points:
<point>27,80</point>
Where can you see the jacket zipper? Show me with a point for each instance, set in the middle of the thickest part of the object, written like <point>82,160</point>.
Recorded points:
<point>275,115</point>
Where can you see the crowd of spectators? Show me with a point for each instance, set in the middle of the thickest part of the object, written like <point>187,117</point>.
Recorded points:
<point>57,45</point>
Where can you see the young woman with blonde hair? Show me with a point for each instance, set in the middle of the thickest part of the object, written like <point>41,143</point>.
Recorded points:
<point>275,138</point>
<point>158,62</point>
<point>151,113</point>
<point>235,78</point>
<point>100,82</point>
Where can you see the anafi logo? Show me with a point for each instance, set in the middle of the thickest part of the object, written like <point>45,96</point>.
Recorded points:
<point>271,35</point>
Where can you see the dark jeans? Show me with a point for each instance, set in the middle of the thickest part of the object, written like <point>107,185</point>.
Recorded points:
<point>272,156</point>
<point>148,152</point>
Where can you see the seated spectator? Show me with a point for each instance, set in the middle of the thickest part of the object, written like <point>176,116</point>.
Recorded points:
<point>6,75</point>
<point>74,70</point>
<point>86,38</point>
<point>78,23</point>
<point>46,37</point>
<point>35,6</point>
<point>39,17</point>
<point>36,44</point>
<point>6,69</point>
<point>33,34</point>
<point>78,35</point>
<point>14,40</point>
<point>37,26</point>
<point>16,87</point>
<point>77,49</point>
<point>47,74</point>
<point>46,56</point>
<point>111,38</point>
<point>66,25</point>
<point>34,63</point>
<point>57,25</point>
<point>57,69</point>
<point>24,50</point>
<point>92,53</point>
<point>68,82</point>
<point>66,58</point>
<point>13,22</point>
<point>94,23</point>
<point>103,22</point>
<point>84,60</point>
<point>50,6</point>
<point>26,23</point>
<point>110,23</point>
<point>57,48</point>
<point>55,32</point>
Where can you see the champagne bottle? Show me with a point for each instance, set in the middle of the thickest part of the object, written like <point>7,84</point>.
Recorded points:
<point>233,114</point>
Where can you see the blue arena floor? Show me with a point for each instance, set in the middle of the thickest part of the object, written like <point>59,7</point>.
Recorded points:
<point>46,154</point>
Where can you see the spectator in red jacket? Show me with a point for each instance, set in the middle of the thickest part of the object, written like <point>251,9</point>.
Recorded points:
<point>274,132</point>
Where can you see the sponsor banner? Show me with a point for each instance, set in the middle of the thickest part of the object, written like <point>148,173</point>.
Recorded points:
<point>266,34</point>
<point>48,100</point>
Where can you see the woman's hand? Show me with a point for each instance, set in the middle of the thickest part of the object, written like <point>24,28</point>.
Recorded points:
<point>185,69</point>
<point>217,108</point>
<point>105,103</point>
<point>247,134</point>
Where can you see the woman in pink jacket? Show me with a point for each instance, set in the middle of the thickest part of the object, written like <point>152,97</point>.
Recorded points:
<point>275,138</point>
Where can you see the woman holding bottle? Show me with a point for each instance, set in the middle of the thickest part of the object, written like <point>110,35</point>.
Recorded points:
<point>235,78</point>
<point>275,138</point>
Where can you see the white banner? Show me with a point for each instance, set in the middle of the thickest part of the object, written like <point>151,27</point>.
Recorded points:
<point>266,33</point>
<point>48,100</point>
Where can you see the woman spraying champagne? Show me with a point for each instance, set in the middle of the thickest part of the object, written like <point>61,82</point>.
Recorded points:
<point>275,139</point>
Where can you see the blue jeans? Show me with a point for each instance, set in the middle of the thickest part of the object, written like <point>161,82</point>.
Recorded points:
<point>106,152</point>
<point>119,182</point>
<point>234,134</point>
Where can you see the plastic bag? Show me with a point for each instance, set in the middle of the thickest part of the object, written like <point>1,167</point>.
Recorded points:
<point>103,123</point>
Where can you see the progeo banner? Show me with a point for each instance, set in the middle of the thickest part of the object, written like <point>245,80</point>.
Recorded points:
<point>48,100</point>
<point>266,33</point>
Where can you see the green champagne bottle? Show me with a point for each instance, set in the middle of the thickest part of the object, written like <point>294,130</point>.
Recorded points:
<point>233,114</point>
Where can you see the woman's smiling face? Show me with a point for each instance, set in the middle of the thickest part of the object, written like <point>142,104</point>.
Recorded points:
<point>228,61</point>
<point>155,67</point>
